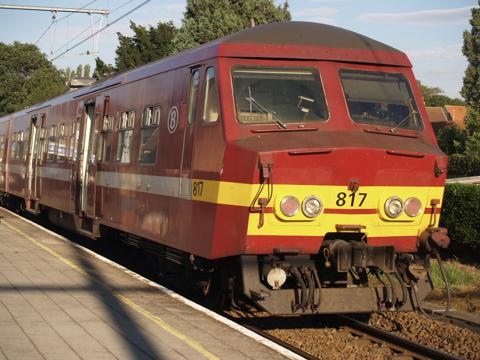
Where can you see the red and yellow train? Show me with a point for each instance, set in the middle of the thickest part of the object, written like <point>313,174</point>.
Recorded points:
<point>289,163</point>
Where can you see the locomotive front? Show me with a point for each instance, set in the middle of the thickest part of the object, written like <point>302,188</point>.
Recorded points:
<point>340,182</point>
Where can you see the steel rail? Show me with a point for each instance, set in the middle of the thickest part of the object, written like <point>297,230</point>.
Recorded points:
<point>396,343</point>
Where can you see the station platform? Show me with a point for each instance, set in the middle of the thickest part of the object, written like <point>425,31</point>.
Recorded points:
<point>60,301</point>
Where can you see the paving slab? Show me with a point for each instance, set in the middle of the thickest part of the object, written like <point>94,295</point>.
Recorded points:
<point>58,301</point>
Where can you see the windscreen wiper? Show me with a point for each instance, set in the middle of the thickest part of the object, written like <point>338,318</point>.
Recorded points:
<point>412,112</point>
<point>263,109</point>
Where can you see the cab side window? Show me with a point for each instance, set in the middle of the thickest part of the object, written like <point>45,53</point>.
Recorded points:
<point>210,106</point>
<point>193,94</point>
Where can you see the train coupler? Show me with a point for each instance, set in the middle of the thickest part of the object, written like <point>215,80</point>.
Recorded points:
<point>434,238</point>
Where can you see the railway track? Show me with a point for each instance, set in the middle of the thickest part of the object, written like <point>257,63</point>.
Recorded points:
<point>398,345</point>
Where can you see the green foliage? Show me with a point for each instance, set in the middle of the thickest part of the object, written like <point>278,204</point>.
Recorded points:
<point>79,71</point>
<point>102,70</point>
<point>86,71</point>
<point>462,165</point>
<point>451,140</point>
<point>471,50</point>
<point>461,206</point>
<point>207,20</point>
<point>442,100</point>
<point>472,123</point>
<point>146,45</point>
<point>26,77</point>
<point>460,277</point>
<point>434,96</point>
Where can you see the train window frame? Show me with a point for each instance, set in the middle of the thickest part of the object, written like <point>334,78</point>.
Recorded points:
<point>125,135</point>
<point>2,147</point>
<point>106,137</point>
<point>151,126</point>
<point>255,67</point>
<point>62,138</point>
<point>393,127</point>
<point>209,96</point>
<point>52,140</point>
<point>13,146</point>
<point>193,94</point>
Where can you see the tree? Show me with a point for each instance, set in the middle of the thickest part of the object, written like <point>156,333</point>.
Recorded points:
<point>146,45</point>
<point>78,73</point>
<point>86,71</point>
<point>451,140</point>
<point>471,50</point>
<point>434,96</point>
<point>102,70</point>
<point>207,20</point>
<point>26,77</point>
<point>471,82</point>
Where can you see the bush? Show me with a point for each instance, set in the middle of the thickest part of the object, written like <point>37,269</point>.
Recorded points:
<point>460,165</point>
<point>460,215</point>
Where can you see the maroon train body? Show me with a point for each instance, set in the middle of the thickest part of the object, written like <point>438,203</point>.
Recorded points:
<point>289,162</point>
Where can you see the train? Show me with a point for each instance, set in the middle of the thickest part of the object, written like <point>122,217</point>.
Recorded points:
<point>289,165</point>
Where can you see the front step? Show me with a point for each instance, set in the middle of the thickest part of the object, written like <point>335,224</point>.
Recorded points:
<point>87,227</point>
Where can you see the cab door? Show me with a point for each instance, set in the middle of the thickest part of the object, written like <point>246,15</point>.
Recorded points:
<point>192,110</point>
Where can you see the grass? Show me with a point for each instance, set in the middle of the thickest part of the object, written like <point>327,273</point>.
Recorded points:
<point>462,278</point>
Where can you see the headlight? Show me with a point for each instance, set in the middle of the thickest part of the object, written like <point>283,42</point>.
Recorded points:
<point>413,206</point>
<point>312,206</point>
<point>289,206</point>
<point>394,207</point>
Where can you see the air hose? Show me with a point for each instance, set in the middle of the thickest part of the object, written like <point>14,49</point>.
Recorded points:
<point>447,289</point>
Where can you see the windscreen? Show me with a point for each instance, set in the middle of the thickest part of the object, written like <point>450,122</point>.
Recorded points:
<point>378,98</point>
<point>273,95</point>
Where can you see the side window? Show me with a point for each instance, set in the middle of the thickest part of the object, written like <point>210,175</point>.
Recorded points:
<point>22,153</point>
<point>2,147</point>
<point>125,136</point>
<point>76,138</point>
<point>62,143</point>
<point>41,145</point>
<point>210,105</point>
<point>149,135</point>
<point>52,143</point>
<point>192,97</point>
<point>105,139</point>
<point>13,146</point>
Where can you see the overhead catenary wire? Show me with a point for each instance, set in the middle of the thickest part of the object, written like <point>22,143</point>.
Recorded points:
<point>89,27</point>
<point>55,20</point>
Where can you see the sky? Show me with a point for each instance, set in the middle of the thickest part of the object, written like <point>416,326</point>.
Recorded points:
<point>430,32</point>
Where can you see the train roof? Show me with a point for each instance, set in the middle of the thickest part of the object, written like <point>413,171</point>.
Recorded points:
<point>287,40</point>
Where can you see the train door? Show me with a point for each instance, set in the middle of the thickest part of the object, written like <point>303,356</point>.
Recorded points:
<point>31,164</point>
<point>85,154</point>
<point>188,136</point>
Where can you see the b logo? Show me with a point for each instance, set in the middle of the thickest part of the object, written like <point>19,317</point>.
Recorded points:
<point>172,122</point>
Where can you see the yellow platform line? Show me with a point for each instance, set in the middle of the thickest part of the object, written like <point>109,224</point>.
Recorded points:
<point>187,340</point>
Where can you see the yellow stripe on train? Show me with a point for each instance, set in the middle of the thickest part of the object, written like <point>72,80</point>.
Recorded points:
<point>370,199</point>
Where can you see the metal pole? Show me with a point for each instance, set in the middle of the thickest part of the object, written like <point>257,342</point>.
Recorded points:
<point>56,9</point>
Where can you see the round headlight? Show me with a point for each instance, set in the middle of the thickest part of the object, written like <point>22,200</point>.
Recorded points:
<point>312,206</point>
<point>289,206</point>
<point>413,207</point>
<point>394,207</point>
